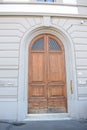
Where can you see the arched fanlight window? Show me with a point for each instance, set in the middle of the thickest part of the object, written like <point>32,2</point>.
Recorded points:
<point>53,45</point>
<point>38,44</point>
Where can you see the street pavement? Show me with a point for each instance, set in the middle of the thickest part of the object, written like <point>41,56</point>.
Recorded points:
<point>45,125</point>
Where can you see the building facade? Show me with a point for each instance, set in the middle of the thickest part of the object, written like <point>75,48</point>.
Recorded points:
<point>43,59</point>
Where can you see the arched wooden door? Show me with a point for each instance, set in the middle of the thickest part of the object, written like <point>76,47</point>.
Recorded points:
<point>47,81</point>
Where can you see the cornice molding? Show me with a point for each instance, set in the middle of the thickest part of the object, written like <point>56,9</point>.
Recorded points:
<point>43,3</point>
<point>39,10</point>
<point>22,14</point>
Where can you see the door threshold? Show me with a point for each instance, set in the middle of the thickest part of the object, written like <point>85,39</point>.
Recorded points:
<point>43,117</point>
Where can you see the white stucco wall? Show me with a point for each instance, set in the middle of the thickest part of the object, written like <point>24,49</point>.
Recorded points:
<point>13,29</point>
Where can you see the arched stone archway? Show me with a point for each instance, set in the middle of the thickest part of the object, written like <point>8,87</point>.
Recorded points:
<point>23,68</point>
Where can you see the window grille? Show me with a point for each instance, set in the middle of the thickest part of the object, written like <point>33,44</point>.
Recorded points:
<point>53,45</point>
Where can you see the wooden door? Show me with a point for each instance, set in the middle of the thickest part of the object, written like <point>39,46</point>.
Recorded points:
<point>47,81</point>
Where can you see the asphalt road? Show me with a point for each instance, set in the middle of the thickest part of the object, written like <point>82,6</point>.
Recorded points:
<point>45,125</point>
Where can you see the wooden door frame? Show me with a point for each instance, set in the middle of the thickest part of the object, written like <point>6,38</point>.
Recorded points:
<point>23,69</point>
<point>46,53</point>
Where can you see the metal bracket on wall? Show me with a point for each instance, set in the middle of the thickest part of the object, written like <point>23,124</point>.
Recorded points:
<point>71,87</point>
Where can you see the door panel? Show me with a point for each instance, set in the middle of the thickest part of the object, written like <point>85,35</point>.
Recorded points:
<point>57,105</point>
<point>38,67</point>
<point>56,67</point>
<point>47,80</point>
<point>37,106</point>
<point>37,91</point>
<point>55,91</point>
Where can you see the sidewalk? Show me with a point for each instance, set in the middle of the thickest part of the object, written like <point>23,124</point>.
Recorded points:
<point>45,125</point>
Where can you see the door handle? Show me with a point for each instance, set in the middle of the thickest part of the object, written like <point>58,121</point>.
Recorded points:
<point>71,87</point>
